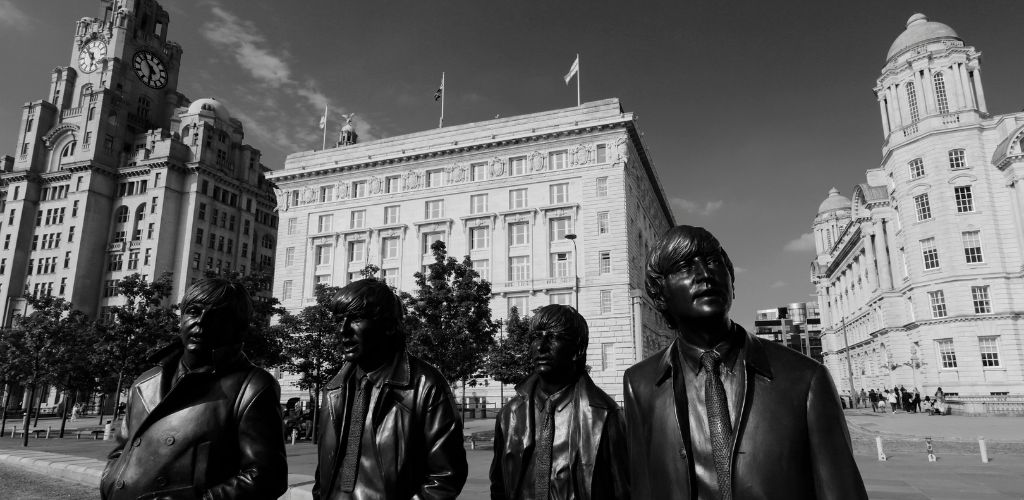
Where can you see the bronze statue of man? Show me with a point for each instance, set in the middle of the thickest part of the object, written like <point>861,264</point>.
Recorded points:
<point>388,423</point>
<point>205,422</point>
<point>720,413</point>
<point>560,437</point>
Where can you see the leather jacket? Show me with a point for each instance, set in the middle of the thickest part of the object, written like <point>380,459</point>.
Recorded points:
<point>597,444</point>
<point>791,442</point>
<point>417,433</point>
<point>216,434</point>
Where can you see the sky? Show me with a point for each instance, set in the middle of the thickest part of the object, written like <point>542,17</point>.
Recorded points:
<point>752,110</point>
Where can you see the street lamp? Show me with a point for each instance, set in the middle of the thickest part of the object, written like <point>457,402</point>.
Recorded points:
<point>575,268</point>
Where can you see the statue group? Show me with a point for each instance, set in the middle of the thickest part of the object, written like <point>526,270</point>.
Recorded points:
<point>718,414</point>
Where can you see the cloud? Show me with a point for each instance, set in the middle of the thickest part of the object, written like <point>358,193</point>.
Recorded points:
<point>805,243</point>
<point>778,284</point>
<point>277,106</point>
<point>13,17</point>
<point>739,269</point>
<point>695,208</point>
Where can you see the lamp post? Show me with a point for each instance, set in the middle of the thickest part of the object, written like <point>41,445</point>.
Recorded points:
<point>575,268</point>
<point>849,365</point>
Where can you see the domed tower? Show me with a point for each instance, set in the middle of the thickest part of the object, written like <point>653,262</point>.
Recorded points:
<point>833,216</point>
<point>930,81</point>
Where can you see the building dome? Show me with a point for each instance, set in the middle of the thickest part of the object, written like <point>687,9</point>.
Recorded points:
<point>209,105</point>
<point>835,201</point>
<point>919,30</point>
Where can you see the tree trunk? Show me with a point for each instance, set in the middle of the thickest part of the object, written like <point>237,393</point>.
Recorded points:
<point>68,404</point>
<point>28,414</point>
<point>316,414</point>
<point>39,406</point>
<point>117,395</point>
<point>6,402</point>
<point>100,406</point>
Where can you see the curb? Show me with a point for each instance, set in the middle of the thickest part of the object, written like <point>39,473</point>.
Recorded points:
<point>87,471</point>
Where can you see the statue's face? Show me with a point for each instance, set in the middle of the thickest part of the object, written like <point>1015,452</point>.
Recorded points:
<point>700,290</point>
<point>362,338</point>
<point>553,352</point>
<point>206,327</point>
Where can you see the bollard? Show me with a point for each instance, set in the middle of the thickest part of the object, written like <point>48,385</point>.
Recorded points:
<point>931,452</point>
<point>13,430</point>
<point>878,444</point>
<point>48,429</point>
<point>295,432</point>
<point>984,449</point>
<point>108,431</point>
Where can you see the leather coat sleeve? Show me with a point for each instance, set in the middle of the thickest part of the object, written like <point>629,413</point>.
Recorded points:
<point>446,466</point>
<point>122,438</point>
<point>611,475</point>
<point>835,472</point>
<point>496,476</point>
<point>635,445</point>
<point>263,467</point>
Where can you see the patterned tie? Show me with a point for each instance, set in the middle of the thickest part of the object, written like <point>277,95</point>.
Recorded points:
<point>350,463</point>
<point>542,460</point>
<point>718,421</point>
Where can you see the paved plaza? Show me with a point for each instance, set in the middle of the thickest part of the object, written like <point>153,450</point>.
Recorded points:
<point>958,474</point>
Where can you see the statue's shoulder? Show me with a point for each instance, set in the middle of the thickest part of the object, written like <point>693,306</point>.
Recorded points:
<point>650,366</point>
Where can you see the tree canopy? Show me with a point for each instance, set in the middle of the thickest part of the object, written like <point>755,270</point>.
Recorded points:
<point>509,359</point>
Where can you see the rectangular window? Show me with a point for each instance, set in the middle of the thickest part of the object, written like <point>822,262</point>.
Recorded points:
<point>916,168</point>
<point>602,187</point>
<point>211,241</point>
<point>434,209</point>
<point>957,159</point>
<point>947,355</point>
<point>245,249</point>
<point>289,256</point>
<point>517,166</point>
<point>322,254</point>
<point>483,268</point>
<point>561,298</point>
<point>964,199</point>
<point>429,239</point>
<point>938,303</point>
<point>286,290</point>
<point>3,266</point>
<point>602,223</point>
<point>989,348</point>
<point>982,303</point>
<point>324,222</point>
<point>150,230</point>
<point>559,227</point>
<point>477,171</point>
<point>602,153</point>
<point>560,265</point>
<point>199,236</point>
<point>390,276</point>
<point>556,160</point>
<point>389,247</point>
<point>116,262</point>
<point>359,189</point>
<point>433,178</point>
<point>519,303</point>
<point>519,234</point>
<point>148,256</point>
<point>519,268</point>
<point>930,253</point>
<point>477,203</point>
<point>391,184</point>
<point>292,224</point>
<point>604,263</point>
<point>133,260</point>
<point>559,193</point>
<point>110,288</point>
<point>972,246</point>
<point>517,199</point>
<point>606,301</point>
<point>195,260</point>
<point>479,238</point>
<point>326,193</point>
<point>924,209</point>
<point>391,214</point>
<point>153,202</point>
<point>357,219</point>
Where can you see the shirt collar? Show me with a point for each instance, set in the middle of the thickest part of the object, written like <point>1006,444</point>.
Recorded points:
<point>729,349</point>
<point>560,398</point>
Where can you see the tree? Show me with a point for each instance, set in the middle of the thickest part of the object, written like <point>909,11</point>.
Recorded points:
<point>311,346</point>
<point>263,342</point>
<point>509,359</point>
<point>73,370</point>
<point>449,319</point>
<point>141,326</point>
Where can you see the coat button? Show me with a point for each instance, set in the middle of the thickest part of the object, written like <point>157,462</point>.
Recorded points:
<point>682,453</point>
<point>169,440</point>
<point>119,484</point>
<point>161,482</point>
<point>137,442</point>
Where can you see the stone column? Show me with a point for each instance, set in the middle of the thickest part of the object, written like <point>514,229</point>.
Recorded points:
<point>978,89</point>
<point>954,89</point>
<point>885,281</point>
<point>965,84</point>
<point>901,102</point>
<point>869,252</point>
<point>1016,202</point>
<point>895,121</point>
<point>885,115</point>
<point>927,92</point>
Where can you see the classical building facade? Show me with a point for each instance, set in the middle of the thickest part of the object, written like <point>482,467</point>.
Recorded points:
<point>506,192</point>
<point>919,275</point>
<point>116,172</point>
<point>796,325</point>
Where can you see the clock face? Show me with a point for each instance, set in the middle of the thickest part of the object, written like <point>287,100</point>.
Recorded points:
<point>150,69</point>
<point>91,55</point>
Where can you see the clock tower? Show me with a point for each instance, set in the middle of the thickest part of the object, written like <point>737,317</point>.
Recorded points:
<point>116,173</point>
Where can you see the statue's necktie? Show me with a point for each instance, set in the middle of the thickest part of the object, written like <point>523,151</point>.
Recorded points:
<point>350,463</point>
<point>542,462</point>
<point>718,421</point>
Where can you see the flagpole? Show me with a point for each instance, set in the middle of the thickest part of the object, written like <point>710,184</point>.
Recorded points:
<point>324,145</point>
<point>440,123</point>
<point>578,75</point>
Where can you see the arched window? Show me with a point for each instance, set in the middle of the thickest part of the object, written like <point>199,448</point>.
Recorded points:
<point>940,93</point>
<point>68,151</point>
<point>140,214</point>
<point>142,109</point>
<point>86,92</point>
<point>912,101</point>
<point>121,215</point>
<point>268,242</point>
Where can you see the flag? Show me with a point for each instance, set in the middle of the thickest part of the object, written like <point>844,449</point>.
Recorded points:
<point>323,119</point>
<point>573,70</point>
<point>440,90</point>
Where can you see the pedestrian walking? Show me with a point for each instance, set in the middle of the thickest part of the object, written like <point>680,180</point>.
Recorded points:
<point>873,397</point>
<point>892,398</point>
<point>915,402</point>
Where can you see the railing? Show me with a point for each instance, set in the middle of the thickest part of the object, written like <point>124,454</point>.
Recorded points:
<point>71,112</point>
<point>135,245</point>
<point>987,405</point>
<point>909,131</point>
<point>117,246</point>
<point>518,284</point>
<point>950,118</point>
<point>562,280</point>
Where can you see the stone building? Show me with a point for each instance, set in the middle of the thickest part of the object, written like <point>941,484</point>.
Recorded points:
<point>919,275</point>
<point>116,172</point>
<point>506,192</point>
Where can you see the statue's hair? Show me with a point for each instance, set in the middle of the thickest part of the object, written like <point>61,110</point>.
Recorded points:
<point>373,299</point>
<point>220,291</point>
<point>676,247</point>
<point>567,318</point>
